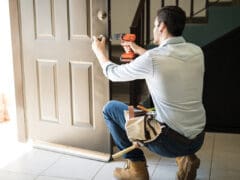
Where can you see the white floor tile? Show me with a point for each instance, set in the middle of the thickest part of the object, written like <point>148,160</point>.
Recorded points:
<point>225,142</point>
<point>50,178</point>
<point>168,161</point>
<point>8,175</point>
<point>226,152</point>
<point>220,160</point>
<point>106,172</point>
<point>151,169</point>
<point>163,171</point>
<point>168,172</point>
<point>205,155</point>
<point>208,142</point>
<point>152,158</point>
<point>33,162</point>
<point>226,161</point>
<point>225,174</point>
<point>74,167</point>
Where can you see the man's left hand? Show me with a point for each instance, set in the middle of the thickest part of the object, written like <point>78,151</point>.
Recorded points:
<point>99,48</point>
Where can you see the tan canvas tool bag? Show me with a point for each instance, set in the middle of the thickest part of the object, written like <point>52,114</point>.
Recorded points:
<point>143,128</point>
<point>140,129</point>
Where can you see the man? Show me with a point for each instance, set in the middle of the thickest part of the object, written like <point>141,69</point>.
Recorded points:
<point>174,75</point>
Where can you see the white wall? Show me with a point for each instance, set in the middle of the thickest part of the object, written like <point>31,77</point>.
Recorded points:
<point>122,13</point>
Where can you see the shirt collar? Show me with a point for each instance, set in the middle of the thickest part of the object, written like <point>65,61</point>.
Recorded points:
<point>172,40</point>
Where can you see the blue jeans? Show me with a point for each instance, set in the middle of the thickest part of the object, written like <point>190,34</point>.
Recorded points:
<point>165,145</point>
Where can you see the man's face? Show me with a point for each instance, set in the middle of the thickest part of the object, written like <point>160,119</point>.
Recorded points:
<point>156,32</point>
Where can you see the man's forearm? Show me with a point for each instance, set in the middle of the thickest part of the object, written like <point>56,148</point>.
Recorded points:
<point>141,51</point>
<point>102,57</point>
<point>100,50</point>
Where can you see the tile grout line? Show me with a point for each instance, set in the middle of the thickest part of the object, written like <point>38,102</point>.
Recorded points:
<point>41,173</point>
<point>155,167</point>
<point>211,163</point>
<point>98,171</point>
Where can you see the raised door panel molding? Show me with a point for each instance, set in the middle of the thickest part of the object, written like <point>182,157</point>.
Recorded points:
<point>47,90</point>
<point>44,19</point>
<point>81,74</point>
<point>78,19</point>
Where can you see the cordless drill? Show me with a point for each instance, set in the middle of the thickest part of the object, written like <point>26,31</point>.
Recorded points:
<point>126,56</point>
<point>130,55</point>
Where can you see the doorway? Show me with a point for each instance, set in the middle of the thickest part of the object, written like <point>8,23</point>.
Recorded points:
<point>7,91</point>
<point>10,147</point>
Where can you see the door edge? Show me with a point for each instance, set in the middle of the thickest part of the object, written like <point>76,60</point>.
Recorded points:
<point>15,25</point>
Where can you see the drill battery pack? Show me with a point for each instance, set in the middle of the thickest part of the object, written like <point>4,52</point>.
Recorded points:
<point>130,55</point>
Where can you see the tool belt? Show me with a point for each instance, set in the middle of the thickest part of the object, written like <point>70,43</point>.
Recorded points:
<point>144,128</point>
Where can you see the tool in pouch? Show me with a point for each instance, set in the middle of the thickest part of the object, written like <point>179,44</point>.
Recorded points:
<point>140,129</point>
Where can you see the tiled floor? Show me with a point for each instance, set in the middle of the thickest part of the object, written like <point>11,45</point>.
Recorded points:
<point>220,160</point>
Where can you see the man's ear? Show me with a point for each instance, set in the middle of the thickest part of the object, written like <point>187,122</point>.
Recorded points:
<point>162,26</point>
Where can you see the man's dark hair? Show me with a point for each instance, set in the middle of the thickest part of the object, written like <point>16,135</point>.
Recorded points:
<point>174,18</point>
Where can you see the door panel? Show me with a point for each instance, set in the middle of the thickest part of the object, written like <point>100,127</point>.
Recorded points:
<point>47,90</point>
<point>82,92</point>
<point>64,87</point>
<point>78,8</point>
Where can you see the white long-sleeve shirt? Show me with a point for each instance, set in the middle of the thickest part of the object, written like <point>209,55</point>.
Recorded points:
<point>174,75</point>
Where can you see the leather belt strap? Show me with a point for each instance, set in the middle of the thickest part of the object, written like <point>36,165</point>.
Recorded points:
<point>172,133</point>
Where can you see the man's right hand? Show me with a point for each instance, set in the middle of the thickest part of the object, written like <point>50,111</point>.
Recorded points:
<point>127,46</point>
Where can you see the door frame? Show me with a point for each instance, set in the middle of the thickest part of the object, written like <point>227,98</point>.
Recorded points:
<point>17,69</point>
<point>15,24</point>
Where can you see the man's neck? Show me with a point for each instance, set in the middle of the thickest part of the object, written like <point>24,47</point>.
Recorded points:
<point>165,36</point>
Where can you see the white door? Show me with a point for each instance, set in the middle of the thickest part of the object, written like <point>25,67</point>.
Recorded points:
<point>64,87</point>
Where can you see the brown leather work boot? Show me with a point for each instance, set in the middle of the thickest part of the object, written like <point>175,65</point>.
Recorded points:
<point>134,170</point>
<point>187,167</point>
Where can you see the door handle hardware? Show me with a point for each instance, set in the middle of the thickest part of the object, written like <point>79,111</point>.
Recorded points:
<point>102,15</point>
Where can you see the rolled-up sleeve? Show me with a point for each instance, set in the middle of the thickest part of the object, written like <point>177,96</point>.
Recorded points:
<point>140,68</point>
